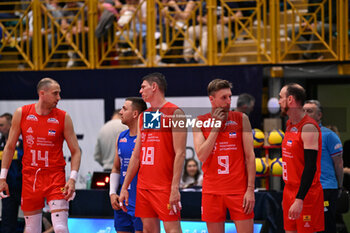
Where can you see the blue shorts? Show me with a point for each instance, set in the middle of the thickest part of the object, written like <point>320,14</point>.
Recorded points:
<point>127,221</point>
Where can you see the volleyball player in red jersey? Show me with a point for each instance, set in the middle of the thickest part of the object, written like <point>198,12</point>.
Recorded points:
<point>44,128</point>
<point>227,153</point>
<point>159,156</point>
<point>301,154</point>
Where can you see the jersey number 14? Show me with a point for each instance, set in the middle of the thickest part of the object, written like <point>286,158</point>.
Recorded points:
<point>37,156</point>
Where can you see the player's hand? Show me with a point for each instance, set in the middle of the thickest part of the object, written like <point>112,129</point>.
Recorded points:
<point>175,200</point>
<point>115,201</point>
<point>4,188</point>
<point>69,190</point>
<point>295,209</point>
<point>248,201</point>
<point>124,197</point>
<point>219,114</point>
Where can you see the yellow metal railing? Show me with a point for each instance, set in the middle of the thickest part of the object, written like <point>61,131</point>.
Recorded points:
<point>39,35</point>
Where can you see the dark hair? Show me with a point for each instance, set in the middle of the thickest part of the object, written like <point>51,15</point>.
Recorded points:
<point>245,99</point>
<point>185,175</point>
<point>218,84</point>
<point>137,103</point>
<point>156,78</point>
<point>43,83</point>
<point>297,91</point>
<point>116,112</point>
<point>8,116</point>
<point>315,102</point>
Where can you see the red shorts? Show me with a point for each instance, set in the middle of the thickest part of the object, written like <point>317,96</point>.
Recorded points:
<point>214,207</point>
<point>154,204</point>
<point>39,184</point>
<point>312,217</point>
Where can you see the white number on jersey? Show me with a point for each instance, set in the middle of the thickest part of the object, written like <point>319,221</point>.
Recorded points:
<point>36,156</point>
<point>223,161</point>
<point>148,155</point>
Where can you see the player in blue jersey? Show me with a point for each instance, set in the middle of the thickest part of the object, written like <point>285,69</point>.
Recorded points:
<point>331,165</point>
<point>126,221</point>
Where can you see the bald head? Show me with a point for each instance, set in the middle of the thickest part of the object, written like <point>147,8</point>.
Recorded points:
<point>297,91</point>
<point>45,83</point>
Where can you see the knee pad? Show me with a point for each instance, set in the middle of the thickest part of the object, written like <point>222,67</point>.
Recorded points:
<point>58,205</point>
<point>59,221</point>
<point>33,223</point>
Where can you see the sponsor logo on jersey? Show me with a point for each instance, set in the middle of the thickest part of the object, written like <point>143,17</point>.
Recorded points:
<point>232,135</point>
<point>339,145</point>
<point>53,120</point>
<point>52,132</point>
<point>306,218</point>
<point>123,140</point>
<point>30,140</point>
<point>307,224</point>
<point>289,143</point>
<point>294,130</point>
<point>31,118</point>
<point>231,123</point>
<point>151,120</point>
<point>30,130</point>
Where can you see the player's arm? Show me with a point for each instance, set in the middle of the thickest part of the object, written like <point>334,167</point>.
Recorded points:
<point>335,149</point>
<point>9,150</point>
<point>310,136</point>
<point>114,180</point>
<point>202,146</point>
<point>133,168</point>
<point>248,148</point>
<point>179,144</point>
<point>338,167</point>
<point>72,142</point>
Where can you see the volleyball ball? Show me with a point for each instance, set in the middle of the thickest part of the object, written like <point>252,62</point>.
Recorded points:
<point>275,137</point>
<point>258,136</point>
<point>276,166</point>
<point>261,166</point>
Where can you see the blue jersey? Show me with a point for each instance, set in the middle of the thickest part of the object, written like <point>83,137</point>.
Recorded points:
<point>331,146</point>
<point>126,146</point>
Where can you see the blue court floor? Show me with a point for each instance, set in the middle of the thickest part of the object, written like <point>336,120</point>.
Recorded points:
<point>92,225</point>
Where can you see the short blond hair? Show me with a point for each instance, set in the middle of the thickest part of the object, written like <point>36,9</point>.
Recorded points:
<point>218,84</point>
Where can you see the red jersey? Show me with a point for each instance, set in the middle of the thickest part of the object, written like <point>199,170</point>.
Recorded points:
<point>224,170</point>
<point>157,151</point>
<point>293,153</point>
<point>42,138</point>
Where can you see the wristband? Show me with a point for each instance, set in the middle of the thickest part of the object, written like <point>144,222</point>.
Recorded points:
<point>73,175</point>
<point>113,183</point>
<point>3,173</point>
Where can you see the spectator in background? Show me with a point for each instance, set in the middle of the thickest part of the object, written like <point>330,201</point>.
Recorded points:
<point>10,205</point>
<point>106,141</point>
<point>200,31</point>
<point>107,16</point>
<point>324,26</point>
<point>76,33</point>
<point>176,18</point>
<point>245,103</point>
<point>331,165</point>
<point>192,176</point>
